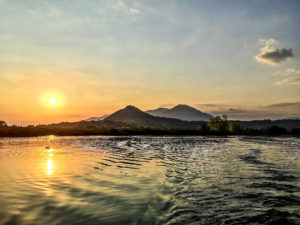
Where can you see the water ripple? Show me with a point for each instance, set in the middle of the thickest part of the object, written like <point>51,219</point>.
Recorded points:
<point>149,180</point>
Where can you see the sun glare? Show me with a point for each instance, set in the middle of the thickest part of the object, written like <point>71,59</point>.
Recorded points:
<point>52,100</point>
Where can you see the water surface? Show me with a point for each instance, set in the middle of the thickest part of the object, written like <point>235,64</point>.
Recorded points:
<point>149,180</point>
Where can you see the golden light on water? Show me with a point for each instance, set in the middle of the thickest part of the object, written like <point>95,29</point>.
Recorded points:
<point>49,162</point>
<point>49,171</point>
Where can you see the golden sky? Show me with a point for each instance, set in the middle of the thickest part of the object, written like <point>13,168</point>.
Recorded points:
<point>95,57</point>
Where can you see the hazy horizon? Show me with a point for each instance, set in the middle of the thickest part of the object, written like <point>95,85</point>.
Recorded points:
<point>233,114</point>
<point>68,61</point>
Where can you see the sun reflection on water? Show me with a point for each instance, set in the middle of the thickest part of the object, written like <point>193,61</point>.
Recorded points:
<point>49,167</point>
<point>49,162</point>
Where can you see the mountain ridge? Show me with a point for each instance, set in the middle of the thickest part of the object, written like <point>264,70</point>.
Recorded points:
<point>96,118</point>
<point>182,112</point>
<point>134,116</point>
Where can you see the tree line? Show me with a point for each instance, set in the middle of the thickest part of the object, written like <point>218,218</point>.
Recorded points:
<point>218,125</point>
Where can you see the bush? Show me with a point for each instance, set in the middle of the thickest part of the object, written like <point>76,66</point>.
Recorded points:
<point>275,131</point>
<point>234,127</point>
<point>296,131</point>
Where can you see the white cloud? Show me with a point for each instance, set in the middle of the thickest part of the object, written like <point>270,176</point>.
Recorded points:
<point>122,7</point>
<point>292,76</point>
<point>134,11</point>
<point>288,71</point>
<point>290,80</point>
<point>292,71</point>
<point>267,41</point>
<point>271,55</point>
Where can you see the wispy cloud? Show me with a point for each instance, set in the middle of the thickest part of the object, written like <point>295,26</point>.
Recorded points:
<point>292,76</point>
<point>167,105</point>
<point>271,55</point>
<point>208,105</point>
<point>272,111</point>
<point>288,71</point>
<point>124,8</point>
<point>134,11</point>
<point>290,80</point>
<point>284,105</point>
<point>239,110</point>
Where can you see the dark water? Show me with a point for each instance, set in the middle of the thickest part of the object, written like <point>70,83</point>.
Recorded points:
<point>149,180</point>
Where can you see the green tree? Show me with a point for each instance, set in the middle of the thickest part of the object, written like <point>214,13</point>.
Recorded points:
<point>218,123</point>
<point>235,127</point>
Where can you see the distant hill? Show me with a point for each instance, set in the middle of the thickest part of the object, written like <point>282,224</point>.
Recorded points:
<point>135,117</point>
<point>288,124</point>
<point>292,118</point>
<point>182,112</point>
<point>133,121</point>
<point>132,117</point>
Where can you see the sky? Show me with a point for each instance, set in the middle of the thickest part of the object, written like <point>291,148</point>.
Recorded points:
<point>95,57</point>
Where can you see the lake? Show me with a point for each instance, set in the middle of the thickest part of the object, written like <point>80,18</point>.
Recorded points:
<point>149,180</point>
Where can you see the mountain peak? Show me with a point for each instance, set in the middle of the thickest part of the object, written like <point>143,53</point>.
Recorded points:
<point>128,114</point>
<point>131,107</point>
<point>132,116</point>
<point>182,106</point>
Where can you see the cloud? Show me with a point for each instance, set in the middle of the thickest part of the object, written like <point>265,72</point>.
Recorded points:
<point>209,105</point>
<point>271,55</point>
<point>134,11</point>
<point>290,80</point>
<point>167,105</point>
<point>292,76</point>
<point>122,7</point>
<point>212,105</point>
<point>288,71</point>
<point>233,110</point>
<point>292,70</point>
<point>240,114</point>
<point>274,111</point>
<point>289,109</point>
<point>284,105</point>
<point>259,114</point>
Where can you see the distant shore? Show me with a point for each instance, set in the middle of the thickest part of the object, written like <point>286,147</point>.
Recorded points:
<point>14,131</point>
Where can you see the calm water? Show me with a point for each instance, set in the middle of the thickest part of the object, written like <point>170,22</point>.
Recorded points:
<point>149,180</point>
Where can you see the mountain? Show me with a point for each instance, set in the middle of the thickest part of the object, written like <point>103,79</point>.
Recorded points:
<point>96,118</point>
<point>182,112</point>
<point>135,117</point>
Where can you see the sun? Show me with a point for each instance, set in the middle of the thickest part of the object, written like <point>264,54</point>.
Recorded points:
<point>52,100</point>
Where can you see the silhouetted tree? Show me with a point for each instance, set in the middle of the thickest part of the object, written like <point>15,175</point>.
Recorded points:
<point>218,123</point>
<point>3,124</point>
<point>234,127</point>
<point>296,131</point>
<point>275,130</point>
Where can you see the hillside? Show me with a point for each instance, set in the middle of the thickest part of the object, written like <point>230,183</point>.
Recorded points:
<point>135,117</point>
<point>288,124</point>
<point>96,118</point>
<point>182,112</point>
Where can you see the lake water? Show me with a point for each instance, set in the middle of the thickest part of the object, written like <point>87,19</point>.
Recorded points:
<point>149,180</point>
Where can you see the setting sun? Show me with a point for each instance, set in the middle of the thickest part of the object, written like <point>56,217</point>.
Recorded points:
<point>52,100</point>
